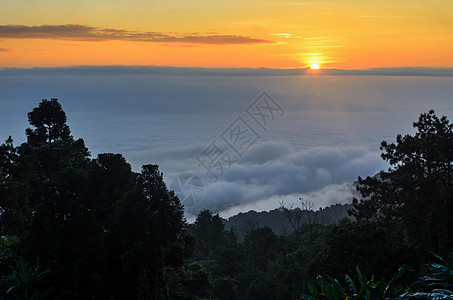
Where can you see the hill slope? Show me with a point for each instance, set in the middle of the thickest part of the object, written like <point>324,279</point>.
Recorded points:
<point>280,224</point>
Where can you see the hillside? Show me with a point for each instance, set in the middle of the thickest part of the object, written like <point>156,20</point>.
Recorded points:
<point>279,223</point>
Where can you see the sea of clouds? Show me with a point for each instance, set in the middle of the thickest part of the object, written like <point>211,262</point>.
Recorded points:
<point>328,135</point>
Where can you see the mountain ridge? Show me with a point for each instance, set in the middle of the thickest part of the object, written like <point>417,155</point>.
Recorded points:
<point>278,221</point>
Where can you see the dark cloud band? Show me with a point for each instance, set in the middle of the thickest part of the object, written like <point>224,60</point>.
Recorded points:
<point>89,33</point>
<point>182,71</point>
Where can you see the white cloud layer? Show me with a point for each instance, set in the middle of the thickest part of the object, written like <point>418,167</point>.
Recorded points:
<point>274,170</point>
<point>329,135</point>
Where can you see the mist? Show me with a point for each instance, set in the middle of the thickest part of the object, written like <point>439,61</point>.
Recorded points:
<point>328,134</point>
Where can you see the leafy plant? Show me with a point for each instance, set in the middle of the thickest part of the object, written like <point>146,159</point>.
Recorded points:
<point>27,282</point>
<point>438,284</point>
<point>330,288</point>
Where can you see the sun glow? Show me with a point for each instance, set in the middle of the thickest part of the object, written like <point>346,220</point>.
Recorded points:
<point>314,66</point>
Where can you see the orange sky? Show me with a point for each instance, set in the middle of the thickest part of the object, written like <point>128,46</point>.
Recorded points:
<point>350,34</point>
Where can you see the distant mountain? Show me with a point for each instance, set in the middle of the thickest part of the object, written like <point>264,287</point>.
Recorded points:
<point>278,221</point>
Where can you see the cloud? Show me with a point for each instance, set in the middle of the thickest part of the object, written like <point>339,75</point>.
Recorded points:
<point>324,197</point>
<point>168,116</point>
<point>113,70</point>
<point>89,33</point>
<point>408,71</point>
<point>5,50</point>
<point>267,175</point>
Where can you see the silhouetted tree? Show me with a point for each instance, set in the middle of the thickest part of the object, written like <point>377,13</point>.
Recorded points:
<point>147,239</point>
<point>209,231</point>
<point>13,193</point>
<point>417,191</point>
<point>105,231</point>
<point>49,121</point>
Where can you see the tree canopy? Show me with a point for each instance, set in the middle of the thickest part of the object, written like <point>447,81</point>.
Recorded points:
<point>77,227</point>
<point>104,230</point>
<point>49,122</point>
<point>417,190</point>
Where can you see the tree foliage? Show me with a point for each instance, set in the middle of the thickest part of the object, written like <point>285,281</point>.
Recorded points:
<point>416,193</point>
<point>97,229</point>
<point>49,122</point>
<point>104,230</point>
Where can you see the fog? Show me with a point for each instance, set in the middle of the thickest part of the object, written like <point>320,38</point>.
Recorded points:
<point>326,135</point>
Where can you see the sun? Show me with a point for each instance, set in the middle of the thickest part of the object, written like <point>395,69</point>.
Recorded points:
<point>314,66</point>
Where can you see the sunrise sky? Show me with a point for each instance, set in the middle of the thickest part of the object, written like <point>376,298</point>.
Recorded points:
<point>160,80</point>
<point>346,34</point>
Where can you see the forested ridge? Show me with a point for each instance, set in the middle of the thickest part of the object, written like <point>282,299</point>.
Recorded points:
<point>278,221</point>
<point>77,227</point>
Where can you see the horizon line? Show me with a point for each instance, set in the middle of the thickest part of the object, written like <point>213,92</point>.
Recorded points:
<point>231,71</point>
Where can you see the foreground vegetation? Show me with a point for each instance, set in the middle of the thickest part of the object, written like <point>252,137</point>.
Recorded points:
<point>75,227</point>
